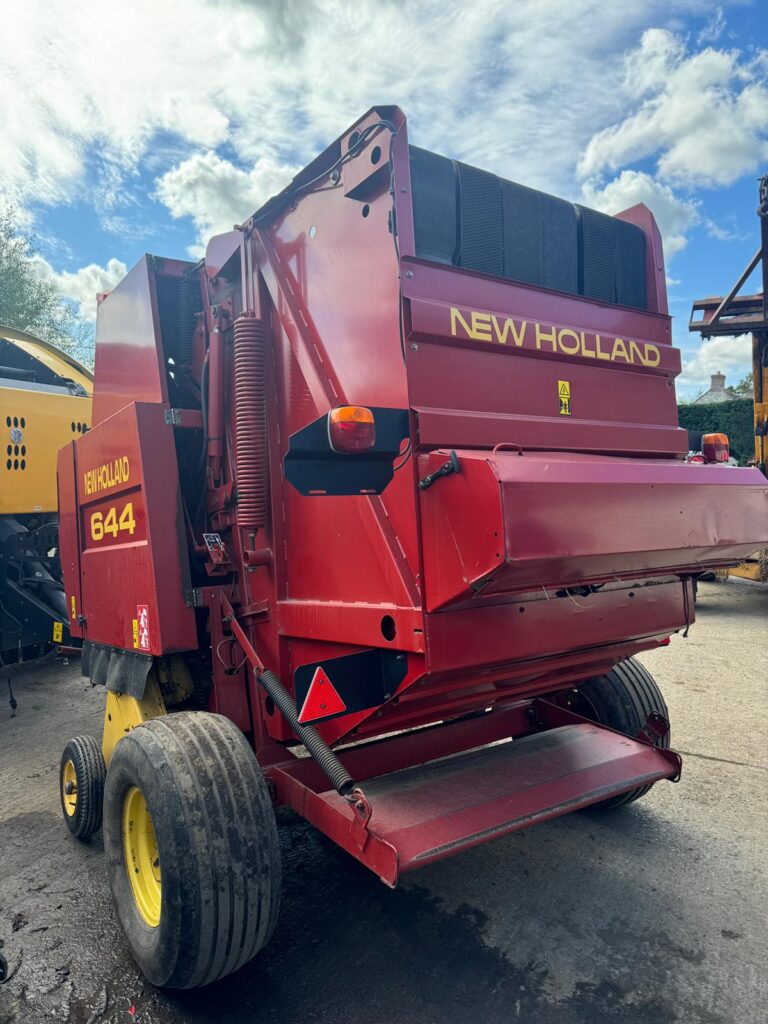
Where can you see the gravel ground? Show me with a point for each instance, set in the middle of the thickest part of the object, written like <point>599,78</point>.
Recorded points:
<point>656,913</point>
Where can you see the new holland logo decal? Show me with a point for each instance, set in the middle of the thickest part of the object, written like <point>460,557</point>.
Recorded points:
<point>566,341</point>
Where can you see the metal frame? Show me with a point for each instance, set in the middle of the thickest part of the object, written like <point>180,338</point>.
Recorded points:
<point>745,314</point>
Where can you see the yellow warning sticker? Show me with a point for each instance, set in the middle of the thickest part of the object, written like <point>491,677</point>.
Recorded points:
<point>564,396</point>
<point>74,612</point>
<point>58,632</point>
<point>136,633</point>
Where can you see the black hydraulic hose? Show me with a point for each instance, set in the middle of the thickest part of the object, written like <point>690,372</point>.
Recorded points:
<point>315,744</point>
<point>49,590</point>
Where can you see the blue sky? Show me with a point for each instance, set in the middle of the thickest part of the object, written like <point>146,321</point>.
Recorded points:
<point>151,129</point>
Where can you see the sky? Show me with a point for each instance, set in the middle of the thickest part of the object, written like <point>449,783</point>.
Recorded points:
<point>149,126</point>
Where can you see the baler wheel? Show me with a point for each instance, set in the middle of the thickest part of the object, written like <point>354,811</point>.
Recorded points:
<point>81,785</point>
<point>622,699</point>
<point>193,856</point>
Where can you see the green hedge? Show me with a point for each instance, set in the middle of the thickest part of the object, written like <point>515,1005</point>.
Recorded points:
<point>734,418</point>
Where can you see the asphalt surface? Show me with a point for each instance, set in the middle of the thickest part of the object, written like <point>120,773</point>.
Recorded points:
<point>652,914</point>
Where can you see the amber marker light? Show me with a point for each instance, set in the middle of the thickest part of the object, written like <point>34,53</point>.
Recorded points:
<point>715,447</point>
<point>351,429</point>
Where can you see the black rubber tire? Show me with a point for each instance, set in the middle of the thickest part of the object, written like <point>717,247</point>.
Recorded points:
<point>90,771</point>
<point>622,699</point>
<point>217,843</point>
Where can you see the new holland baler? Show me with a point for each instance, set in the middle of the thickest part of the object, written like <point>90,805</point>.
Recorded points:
<point>380,500</point>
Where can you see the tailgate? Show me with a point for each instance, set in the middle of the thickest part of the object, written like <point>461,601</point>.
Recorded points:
<point>509,522</point>
<point>490,360</point>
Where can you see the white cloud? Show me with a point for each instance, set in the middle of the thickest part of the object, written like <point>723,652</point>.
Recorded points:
<point>724,234</point>
<point>731,356</point>
<point>713,29</point>
<point>219,101</point>
<point>674,216</point>
<point>518,88</point>
<point>216,194</point>
<point>703,115</point>
<point>83,285</point>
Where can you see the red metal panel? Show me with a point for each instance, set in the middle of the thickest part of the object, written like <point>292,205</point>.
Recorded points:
<point>435,808</point>
<point>656,278</point>
<point>486,358</point>
<point>436,698</point>
<point>229,693</point>
<point>429,815</point>
<point>133,545</point>
<point>130,363</point>
<point>382,756</point>
<point>570,519</point>
<point>352,622</point>
<point>330,293</point>
<point>525,632</point>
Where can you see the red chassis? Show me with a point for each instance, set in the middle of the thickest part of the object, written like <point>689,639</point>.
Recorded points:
<point>525,521</point>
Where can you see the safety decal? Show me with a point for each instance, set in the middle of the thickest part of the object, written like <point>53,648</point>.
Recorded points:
<point>74,608</point>
<point>142,626</point>
<point>58,632</point>
<point>322,698</point>
<point>564,397</point>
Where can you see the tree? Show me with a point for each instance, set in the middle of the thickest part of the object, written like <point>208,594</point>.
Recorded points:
<point>744,389</point>
<point>30,302</point>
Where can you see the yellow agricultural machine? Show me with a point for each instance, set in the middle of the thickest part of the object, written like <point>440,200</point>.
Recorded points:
<point>737,314</point>
<point>45,401</point>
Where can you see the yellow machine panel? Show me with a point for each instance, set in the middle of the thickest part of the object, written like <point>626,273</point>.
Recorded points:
<point>33,426</point>
<point>755,568</point>
<point>45,401</point>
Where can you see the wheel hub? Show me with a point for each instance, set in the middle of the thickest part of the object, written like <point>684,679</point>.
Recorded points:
<point>69,788</point>
<point>142,860</point>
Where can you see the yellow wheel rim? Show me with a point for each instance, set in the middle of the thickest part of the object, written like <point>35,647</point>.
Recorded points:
<point>69,789</point>
<point>142,860</point>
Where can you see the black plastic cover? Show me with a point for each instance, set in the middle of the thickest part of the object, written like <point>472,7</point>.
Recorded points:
<point>120,671</point>
<point>470,218</point>
<point>314,468</point>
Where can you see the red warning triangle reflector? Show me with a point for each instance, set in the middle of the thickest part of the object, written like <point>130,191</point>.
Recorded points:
<point>322,699</point>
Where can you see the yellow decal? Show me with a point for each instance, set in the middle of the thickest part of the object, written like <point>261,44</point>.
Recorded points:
<point>74,610</point>
<point>109,475</point>
<point>564,395</point>
<point>549,338</point>
<point>58,632</point>
<point>136,633</point>
<point>108,524</point>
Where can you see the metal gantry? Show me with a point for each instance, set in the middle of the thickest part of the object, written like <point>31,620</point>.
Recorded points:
<point>737,314</point>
